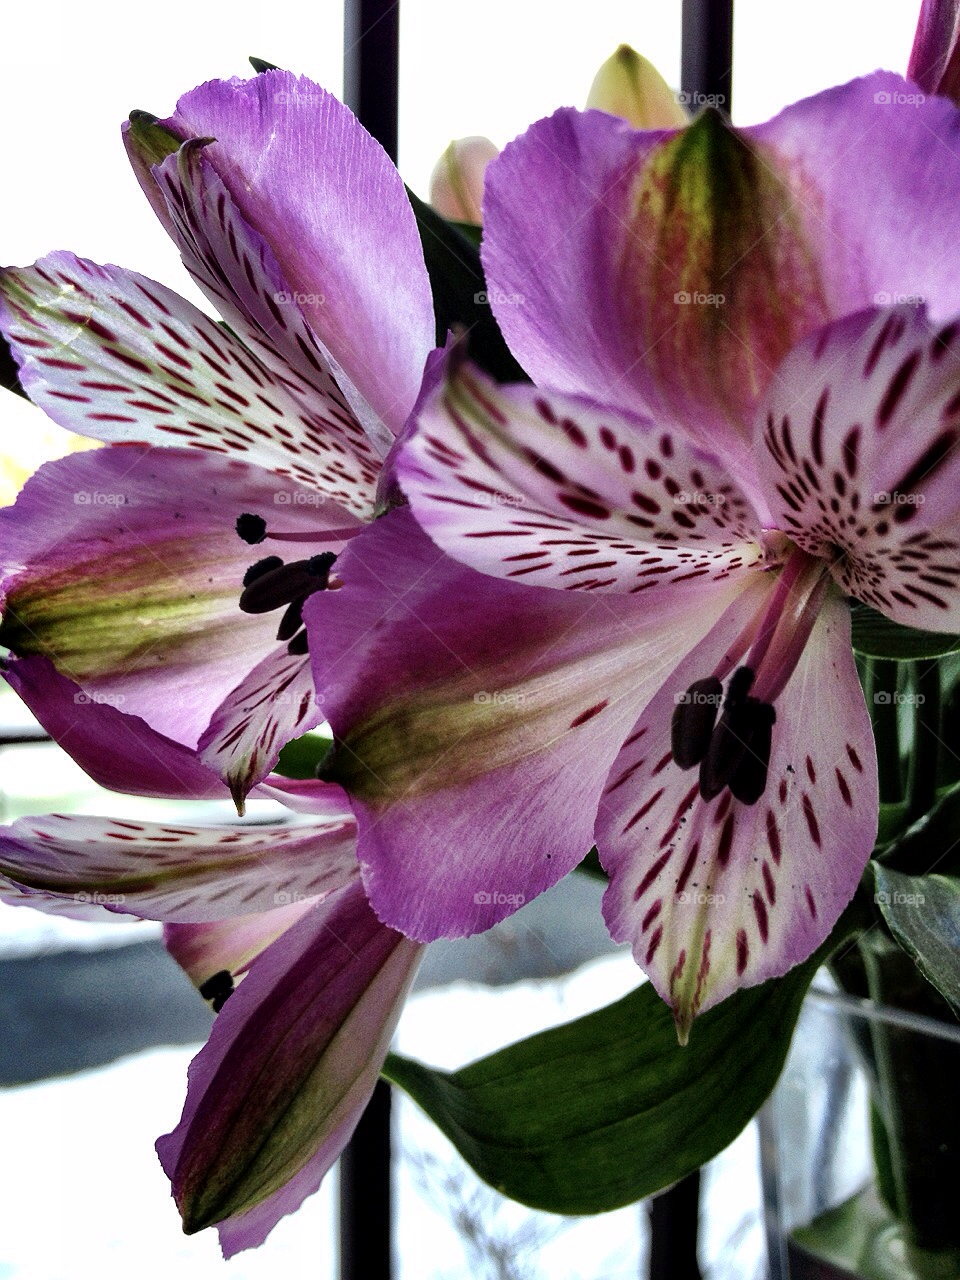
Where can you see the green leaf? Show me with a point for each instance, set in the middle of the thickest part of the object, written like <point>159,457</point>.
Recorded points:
<point>260,65</point>
<point>608,1109</point>
<point>923,913</point>
<point>876,636</point>
<point>460,291</point>
<point>864,1238</point>
<point>303,756</point>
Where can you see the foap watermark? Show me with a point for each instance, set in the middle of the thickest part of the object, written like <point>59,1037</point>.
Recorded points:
<point>696,299</point>
<point>287,897</point>
<point>299,498</point>
<point>699,499</point>
<point>895,499</point>
<point>494,298</point>
<point>99,699</point>
<point>697,698</point>
<point>884,299</point>
<point>295,96</point>
<point>494,898</point>
<point>883,698</point>
<point>699,898</point>
<point>291,298</point>
<point>95,898</point>
<point>500,699</point>
<point>897,99</point>
<point>686,99</point>
<point>499,499</point>
<point>899,899</point>
<point>86,498</point>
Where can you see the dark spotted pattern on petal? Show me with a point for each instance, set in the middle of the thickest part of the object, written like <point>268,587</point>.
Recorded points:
<point>555,491</point>
<point>742,892</point>
<point>859,448</point>
<point>275,703</point>
<point>78,866</point>
<point>110,354</point>
<point>237,270</point>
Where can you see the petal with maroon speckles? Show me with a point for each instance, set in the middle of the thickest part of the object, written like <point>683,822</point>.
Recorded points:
<point>475,720</point>
<point>556,491</point>
<point>172,871</point>
<point>858,446</point>
<point>275,703</point>
<point>718,895</point>
<point>292,1059</point>
<point>238,271</point>
<point>326,198</point>
<point>110,354</point>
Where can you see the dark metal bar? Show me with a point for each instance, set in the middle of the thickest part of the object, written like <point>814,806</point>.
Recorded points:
<point>365,1194</point>
<point>23,737</point>
<point>674,1224</point>
<point>371,58</point>
<point>706,59</point>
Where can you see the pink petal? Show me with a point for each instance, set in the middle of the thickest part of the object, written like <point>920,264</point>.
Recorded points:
<point>476,720</point>
<point>238,271</point>
<point>123,565</point>
<point>217,950</point>
<point>290,1064</point>
<point>275,703</point>
<point>119,751</point>
<point>325,197</point>
<point>858,450</point>
<point>171,871</point>
<point>720,895</point>
<point>594,236</point>
<point>556,491</point>
<point>110,354</point>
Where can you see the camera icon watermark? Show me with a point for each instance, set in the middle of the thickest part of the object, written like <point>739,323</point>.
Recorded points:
<point>685,499</point>
<point>697,698</point>
<point>287,897</point>
<point>895,499</point>
<point>884,698</point>
<point>494,298</point>
<point>299,498</point>
<point>500,699</point>
<point>96,898</point>
<point>899,899</point>
<point>897,99</point>
<point>882,298</point>
<point>684,298</point>
<point>86,498</point>
<point>686,99</point>
<point>291,298</point>
<point>492,898</point>
<point>698,898</point>
<point>99,699</point>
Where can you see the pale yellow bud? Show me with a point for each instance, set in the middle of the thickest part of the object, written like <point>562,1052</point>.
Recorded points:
<point>628,85</point>
<point>456,184</point>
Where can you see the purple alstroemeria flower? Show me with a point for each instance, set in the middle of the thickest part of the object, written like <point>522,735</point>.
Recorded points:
<point>735,438</point>
<point>123,566</point>
<point>271,923</point>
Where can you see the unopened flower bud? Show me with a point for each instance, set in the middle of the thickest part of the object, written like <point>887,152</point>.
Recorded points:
<point>628,85</point>
<point>456,184</point>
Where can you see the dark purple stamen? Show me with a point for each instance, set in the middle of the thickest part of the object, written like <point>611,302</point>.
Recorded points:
<point>693,719</point>
<point>260,568</point>
<point>250,528</point>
